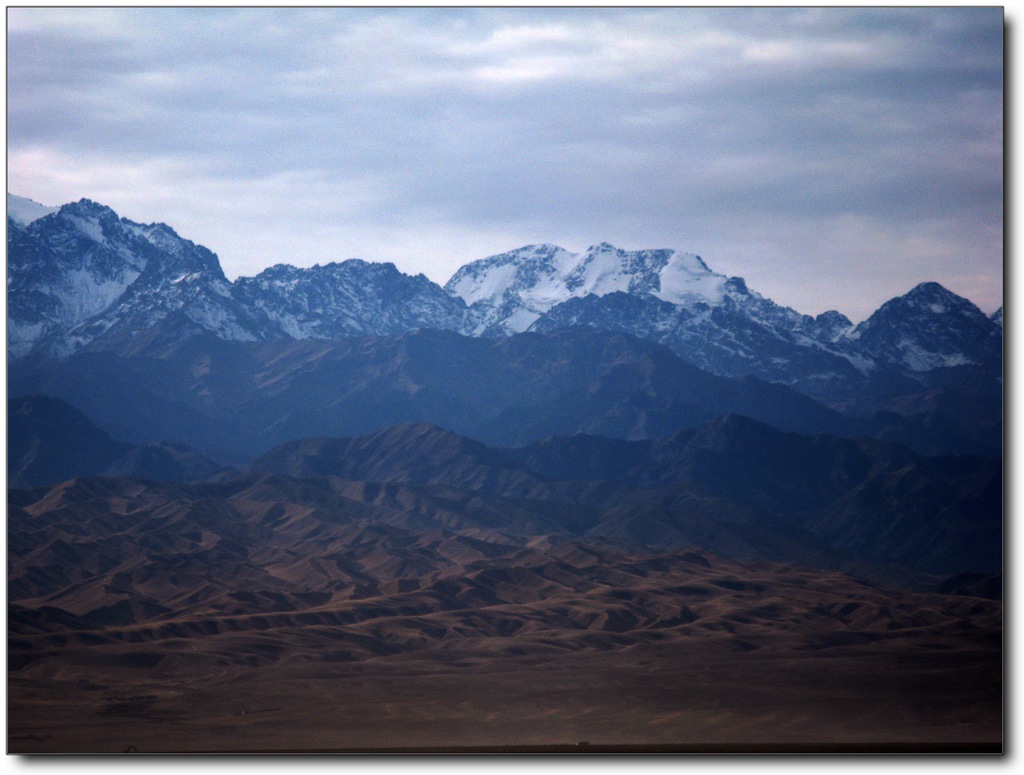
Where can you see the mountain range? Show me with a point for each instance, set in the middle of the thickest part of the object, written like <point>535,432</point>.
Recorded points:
<point>84,284</point>
<point>731,485</point>
<point>607,495</point>
<point>83,278</point>
<point>808,500</point>
<point>576,586</point>
<point>271,614</point>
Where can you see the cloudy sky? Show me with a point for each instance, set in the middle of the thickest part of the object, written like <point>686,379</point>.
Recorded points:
<point>832,157</point>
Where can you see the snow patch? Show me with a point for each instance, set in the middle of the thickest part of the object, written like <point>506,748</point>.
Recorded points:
<point>492,284</point>
<point>859,362</point>
<point>599,273</point>
<point>916,358</point>
<point>22,336</point>
<point>685,280</point>
<point>520,320</point>
<point>86,295</point>
<point>90,227</point>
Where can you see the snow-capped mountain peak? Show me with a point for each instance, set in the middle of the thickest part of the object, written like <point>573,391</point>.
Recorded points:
<point>508,292</point>
<point>93,221</point>
<point>685,278</point>
<point>24,211</point>
<point>490,278</point>
<point>82,275</point>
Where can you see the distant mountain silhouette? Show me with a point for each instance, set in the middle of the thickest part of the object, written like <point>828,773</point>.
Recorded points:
<point>50,441</point>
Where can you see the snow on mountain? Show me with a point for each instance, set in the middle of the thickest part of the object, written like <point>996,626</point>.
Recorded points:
<point>829,326</point>
<point>86,278</point>
<point>997,317</point>
<point>63,270</point>
<point>83,274</point>
<point>686,279</point>
<point>350,298</point>
<point>672,297</point>
<point>24,211</point>
<point>80,276</point>
<point>930,327</point>
<point>509,292</point>
<point>183,280</point>
<point>489,278</point>
<point>715,321</point>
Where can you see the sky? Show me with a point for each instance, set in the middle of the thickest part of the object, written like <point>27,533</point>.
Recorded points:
<point>833,157</point>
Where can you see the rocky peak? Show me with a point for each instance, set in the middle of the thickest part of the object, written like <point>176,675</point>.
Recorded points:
<point>829,326</point>
<point>929,327</point>
<point>87,207</point>
<point>353,297</point>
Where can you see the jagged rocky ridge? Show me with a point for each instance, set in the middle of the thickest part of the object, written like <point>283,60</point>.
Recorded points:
<point>350,298</point>
<point>84,279</point>
<point>80,278</point>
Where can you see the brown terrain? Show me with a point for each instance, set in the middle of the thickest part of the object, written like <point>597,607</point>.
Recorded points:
<point>272,613</point>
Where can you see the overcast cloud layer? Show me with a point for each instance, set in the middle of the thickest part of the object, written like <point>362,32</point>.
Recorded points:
<point>832,157</point>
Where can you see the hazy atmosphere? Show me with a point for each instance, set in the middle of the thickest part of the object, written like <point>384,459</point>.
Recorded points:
<point>470,438</point>
<point>833,157</point>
